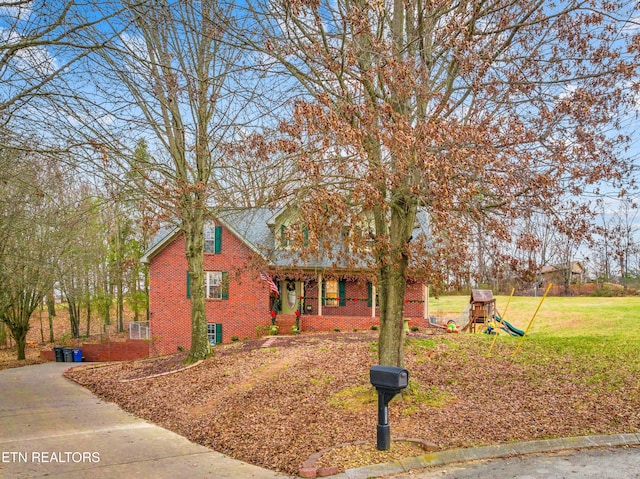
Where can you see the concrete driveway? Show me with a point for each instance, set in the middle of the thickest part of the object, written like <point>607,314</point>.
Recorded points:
<point>51,427</point>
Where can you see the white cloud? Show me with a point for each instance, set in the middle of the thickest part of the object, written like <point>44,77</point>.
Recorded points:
<point>16,11</point>
<point>29,61</point>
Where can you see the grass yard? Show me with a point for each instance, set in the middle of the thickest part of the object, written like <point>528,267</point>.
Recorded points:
<point>575,374</point>
<point>559,316</point>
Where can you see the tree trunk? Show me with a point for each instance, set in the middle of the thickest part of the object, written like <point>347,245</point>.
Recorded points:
<point>120,303</point>
<point>194,245</point>
<point>88,289</point>
<point>3,335</point>
<point>88,318</point>
<point>74,317</point>
<point>51,336</point>
<point>134,292</point>
<point>51,307</point>
<point>393,282</point>
<point>19,330</point>
<point>391,340</point>
<point>21,345</point>
<point>51,303</point>
<point>40,318</point>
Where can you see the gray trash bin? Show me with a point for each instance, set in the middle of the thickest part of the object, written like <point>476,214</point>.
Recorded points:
<point>57,350</point>
<point>68,355</point>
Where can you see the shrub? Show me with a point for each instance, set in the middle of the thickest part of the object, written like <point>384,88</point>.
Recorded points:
<point>235,338</point>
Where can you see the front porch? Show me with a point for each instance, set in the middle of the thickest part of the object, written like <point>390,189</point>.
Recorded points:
<point>342,297</point>
<point>316,323</point>
<point>351,305</point>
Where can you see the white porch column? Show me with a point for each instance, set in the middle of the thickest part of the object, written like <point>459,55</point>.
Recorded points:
<point>425,303</point>
<point>319,294</point>
<point>373,301</point>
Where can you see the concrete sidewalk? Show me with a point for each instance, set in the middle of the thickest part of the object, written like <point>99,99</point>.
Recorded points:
<point>593,463</point>
<point>598,457</point>
<point>51,427</point>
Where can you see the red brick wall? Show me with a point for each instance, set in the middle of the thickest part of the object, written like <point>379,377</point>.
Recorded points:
<point>343,323</point>
<point>357,301</point>
<point>246,307</point>
<point>112,351</point>
<point>413,301</point>
<point>116,351</point>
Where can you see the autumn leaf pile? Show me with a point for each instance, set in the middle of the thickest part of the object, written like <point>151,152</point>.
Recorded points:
<point>276,406</point>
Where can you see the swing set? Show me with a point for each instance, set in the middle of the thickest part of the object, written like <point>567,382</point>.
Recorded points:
<point>510,329</point>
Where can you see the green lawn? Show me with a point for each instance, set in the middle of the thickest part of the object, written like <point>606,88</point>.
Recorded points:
<point>560,316</point>
<point>605,332</point>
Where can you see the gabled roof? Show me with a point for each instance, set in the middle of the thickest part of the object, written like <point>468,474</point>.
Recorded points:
<point>163,237</point>
<point>249,225</point>
<point>481,296</point>
<point>255,228</point>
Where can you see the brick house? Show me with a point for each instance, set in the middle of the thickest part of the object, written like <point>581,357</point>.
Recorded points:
<point>239,246</point>
<point>570,273</point>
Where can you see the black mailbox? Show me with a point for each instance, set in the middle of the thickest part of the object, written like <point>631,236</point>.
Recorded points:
<point>389,377</point>
<point>388,381</point>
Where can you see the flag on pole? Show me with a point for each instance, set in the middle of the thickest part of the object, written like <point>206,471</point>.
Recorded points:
<point>272,286</point>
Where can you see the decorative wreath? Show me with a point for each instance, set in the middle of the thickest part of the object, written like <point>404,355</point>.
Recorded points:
<point>291,286</point>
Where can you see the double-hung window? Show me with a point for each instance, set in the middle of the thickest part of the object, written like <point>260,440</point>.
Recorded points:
<point>213,284</point>
<point>331,293</point>
<point>216,285</point>
<point>209,237</point>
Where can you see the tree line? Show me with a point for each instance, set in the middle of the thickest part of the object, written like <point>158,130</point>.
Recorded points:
<point>499,125</point>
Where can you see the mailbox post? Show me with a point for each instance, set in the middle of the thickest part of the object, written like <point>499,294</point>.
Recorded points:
<point>388,381</point>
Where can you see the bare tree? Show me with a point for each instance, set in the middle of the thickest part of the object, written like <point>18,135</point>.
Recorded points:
<point>168,77</point>
<point>624,242</point>
<point>461,109</point>
<point>34,231</point>
<point>39,42</point>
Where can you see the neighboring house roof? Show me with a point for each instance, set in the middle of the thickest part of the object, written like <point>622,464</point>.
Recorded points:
<point>575,267</point>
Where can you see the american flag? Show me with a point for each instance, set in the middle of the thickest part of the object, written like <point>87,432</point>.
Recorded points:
<point>272,286</point>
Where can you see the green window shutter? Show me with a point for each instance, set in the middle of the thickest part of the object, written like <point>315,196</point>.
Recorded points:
<point>322,292</point>
<point>218,240</point>
<point>188,284</point>
<point>305,232</point>
<point>218,333</point>
<point>369,294</point>
<point>342,288</point>
<point>225,285</point>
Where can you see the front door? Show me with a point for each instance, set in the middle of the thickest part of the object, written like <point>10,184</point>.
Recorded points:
<point>290,293</point>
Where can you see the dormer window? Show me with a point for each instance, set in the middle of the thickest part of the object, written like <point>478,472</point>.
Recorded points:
<point>284,240</point>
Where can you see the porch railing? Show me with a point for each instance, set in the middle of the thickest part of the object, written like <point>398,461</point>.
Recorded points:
<point>356,307</point>
<point>139,330</point>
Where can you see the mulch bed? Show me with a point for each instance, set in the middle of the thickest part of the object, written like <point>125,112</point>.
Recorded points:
<point>276,406</point>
